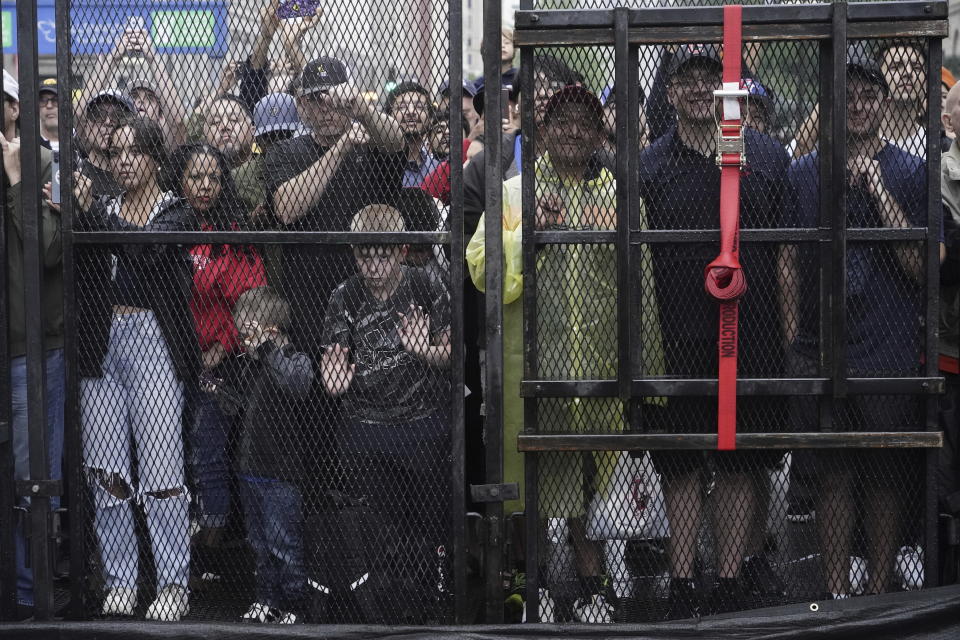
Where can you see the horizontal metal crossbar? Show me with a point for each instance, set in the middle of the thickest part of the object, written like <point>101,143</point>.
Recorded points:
<point>745,387</point>
<point>661,25</point>
<point>705,441</point>
<point>746,235</point>
<point>262,237</point>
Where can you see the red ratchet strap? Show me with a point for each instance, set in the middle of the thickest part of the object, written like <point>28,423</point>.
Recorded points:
<point>724,277</point>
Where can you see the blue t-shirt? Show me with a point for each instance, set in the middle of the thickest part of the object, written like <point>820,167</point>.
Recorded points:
<point>884,302</point>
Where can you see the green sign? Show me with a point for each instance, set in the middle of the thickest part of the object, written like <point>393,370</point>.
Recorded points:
<point>183,28</point>
<point>6,24</point>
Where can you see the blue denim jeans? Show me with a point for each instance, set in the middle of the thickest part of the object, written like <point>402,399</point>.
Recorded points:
<point>137,403</point>
<point>274,522</point>
<point>21,447</point>
<point>209,458</point>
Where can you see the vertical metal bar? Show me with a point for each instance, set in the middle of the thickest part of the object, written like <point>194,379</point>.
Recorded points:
<point>636,329</point>
<point>493,425</point>
<point>825,248</point>
<point>455,224</point>
<point>531,461</point>
<point>33,305</point>
<point>8,497</point>
<point>837,183</point>
<point>932,299</point>
<point>73,447</point>
<point>626,202</point>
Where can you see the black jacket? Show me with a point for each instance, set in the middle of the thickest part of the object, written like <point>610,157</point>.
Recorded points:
<point>164,268</point>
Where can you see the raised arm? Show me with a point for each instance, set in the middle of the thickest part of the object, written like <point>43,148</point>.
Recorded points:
<point>295,197</point>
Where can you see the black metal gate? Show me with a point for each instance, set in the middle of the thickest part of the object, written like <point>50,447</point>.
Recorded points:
<point>600,380</point>
<point>651,395</point>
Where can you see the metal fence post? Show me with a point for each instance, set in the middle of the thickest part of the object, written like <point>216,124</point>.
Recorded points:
<point>38,488</point>
<point>493,425</point>
<point>8,523</point>
<point>458,441</point>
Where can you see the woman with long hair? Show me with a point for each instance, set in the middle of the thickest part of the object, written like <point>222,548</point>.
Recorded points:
<point>200,175</point>
<point>138,352</point>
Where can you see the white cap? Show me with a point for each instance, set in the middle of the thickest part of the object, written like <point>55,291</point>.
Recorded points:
<point>10,86</point>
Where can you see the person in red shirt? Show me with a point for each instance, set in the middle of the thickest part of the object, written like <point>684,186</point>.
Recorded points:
<point>200,174</point>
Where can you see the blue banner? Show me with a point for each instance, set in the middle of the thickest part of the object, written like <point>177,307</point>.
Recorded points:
<point>175,26</point>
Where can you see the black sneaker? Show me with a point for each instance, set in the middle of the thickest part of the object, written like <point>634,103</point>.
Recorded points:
<point>725,597</point>
<point>800,511</point>
<point>683,601</point>
<point>758,578</point>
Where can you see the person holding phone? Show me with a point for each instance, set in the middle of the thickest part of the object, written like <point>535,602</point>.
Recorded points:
<point>156,99</point>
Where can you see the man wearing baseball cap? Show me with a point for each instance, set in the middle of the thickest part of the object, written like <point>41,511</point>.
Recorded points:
<point>352,157</point>
<point>760,112</point>
<point>275,119</point>
<point>680,184</point>
<point>884,294</point>
<point>103,114</point>
<point>152,101</point>
<point>574,191</point>
<point>49,222</point>
<point>49,114</point>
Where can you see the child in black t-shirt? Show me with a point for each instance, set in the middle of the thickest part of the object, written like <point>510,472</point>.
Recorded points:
<point>386,337</point>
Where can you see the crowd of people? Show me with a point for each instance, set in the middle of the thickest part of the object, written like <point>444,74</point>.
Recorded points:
<point>221,375</point>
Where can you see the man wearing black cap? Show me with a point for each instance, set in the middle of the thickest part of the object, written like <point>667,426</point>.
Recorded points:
<point>884,295</point>
<point>49,114</point>
<point>469,113</point>
<point>760,107</point>
<point>680,184</point>
<point>104,113</point>
<point>574,191</point>
<point>353,157</point>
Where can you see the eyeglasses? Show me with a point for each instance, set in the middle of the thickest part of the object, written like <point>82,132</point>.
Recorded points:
<point>48,101</point>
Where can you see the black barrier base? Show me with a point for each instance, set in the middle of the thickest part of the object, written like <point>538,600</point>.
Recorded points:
<point>933,613</point>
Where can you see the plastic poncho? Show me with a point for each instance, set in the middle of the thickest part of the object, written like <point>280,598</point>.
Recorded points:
<point>576,329</point>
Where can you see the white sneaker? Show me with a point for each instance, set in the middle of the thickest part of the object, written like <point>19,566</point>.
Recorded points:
<point>120,601</point>
<point>258,612</point>
<point>170,605</point>
<point>595,611</point>
<point>909,567</point>
<point>288,618</point>
<point>547,607</point>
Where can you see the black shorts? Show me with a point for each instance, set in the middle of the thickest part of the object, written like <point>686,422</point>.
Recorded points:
<point>883,413</point>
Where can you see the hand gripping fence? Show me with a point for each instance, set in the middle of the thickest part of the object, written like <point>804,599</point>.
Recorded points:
<point>724,277</point>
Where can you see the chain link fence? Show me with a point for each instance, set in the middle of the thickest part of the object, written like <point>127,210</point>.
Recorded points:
<point>275,252</point>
